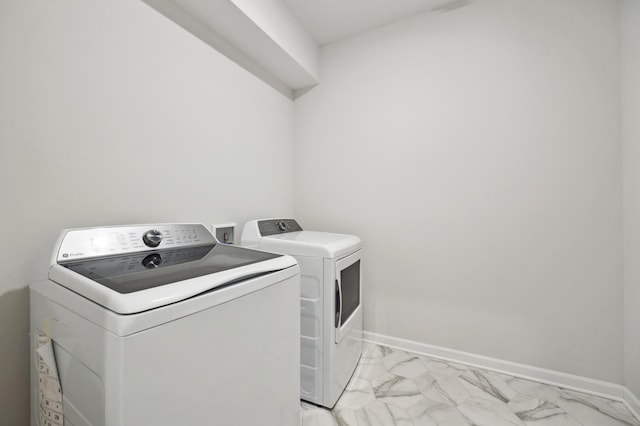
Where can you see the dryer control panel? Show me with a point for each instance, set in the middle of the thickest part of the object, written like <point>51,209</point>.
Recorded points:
<point>278,226</point>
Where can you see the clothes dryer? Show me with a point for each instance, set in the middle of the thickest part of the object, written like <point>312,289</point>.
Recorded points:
<point>161,325</point>
<point>330,302</point>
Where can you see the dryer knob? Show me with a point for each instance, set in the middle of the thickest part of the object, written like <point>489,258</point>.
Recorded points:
<point>152,238</point>
<point>282,226</point>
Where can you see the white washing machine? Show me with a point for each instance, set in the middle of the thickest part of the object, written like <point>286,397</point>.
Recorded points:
<point>161,325</point>
<point>330,302</point>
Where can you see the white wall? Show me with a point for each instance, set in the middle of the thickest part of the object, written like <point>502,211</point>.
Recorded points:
<point>477,153</point>
<point>111,114</point>
<point>630,31</point>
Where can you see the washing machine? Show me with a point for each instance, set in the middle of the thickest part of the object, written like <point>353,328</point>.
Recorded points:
<point>330,302</point>
<point>161,325</point>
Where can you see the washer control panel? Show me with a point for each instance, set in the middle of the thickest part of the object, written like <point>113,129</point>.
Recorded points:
<point>278,226</point>
<point>114,240</point>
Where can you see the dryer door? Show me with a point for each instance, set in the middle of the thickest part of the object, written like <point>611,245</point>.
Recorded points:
<point>348,294</point>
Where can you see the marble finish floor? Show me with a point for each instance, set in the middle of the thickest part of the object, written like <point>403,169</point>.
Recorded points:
<point>396,388</point>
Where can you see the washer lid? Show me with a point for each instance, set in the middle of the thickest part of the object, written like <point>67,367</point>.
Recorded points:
<point>311,243</point>
<point>136,282</point>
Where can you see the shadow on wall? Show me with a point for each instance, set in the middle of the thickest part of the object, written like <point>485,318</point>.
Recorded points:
<point>14,357</point>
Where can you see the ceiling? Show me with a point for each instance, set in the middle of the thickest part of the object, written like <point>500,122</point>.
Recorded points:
<point>327,21</point>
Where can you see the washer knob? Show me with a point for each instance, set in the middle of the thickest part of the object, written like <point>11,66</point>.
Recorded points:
<point>152,238</point>
<point>282,225</point>
<point>152,261</point>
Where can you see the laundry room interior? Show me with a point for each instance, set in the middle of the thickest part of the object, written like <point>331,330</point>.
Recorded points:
<point>486,153</point>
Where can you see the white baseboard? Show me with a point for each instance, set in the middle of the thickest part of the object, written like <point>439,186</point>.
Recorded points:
<point>542,375</point>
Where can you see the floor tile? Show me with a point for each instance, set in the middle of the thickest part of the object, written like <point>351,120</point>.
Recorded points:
<point>442,367</point>
<point>358,394</point>
<point>420,413</point>
<point>395,388</point>
<point>453,387</point>
<point>489,383</point>
<point>370,368</point>
<point>431,390</point>
<point>590,410</point>
<point>533,411</point>
<point>380,414</point>
<point>449,416</point>
<point>484,412</point>
<point>531,388</point>
<point>404,364</point>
